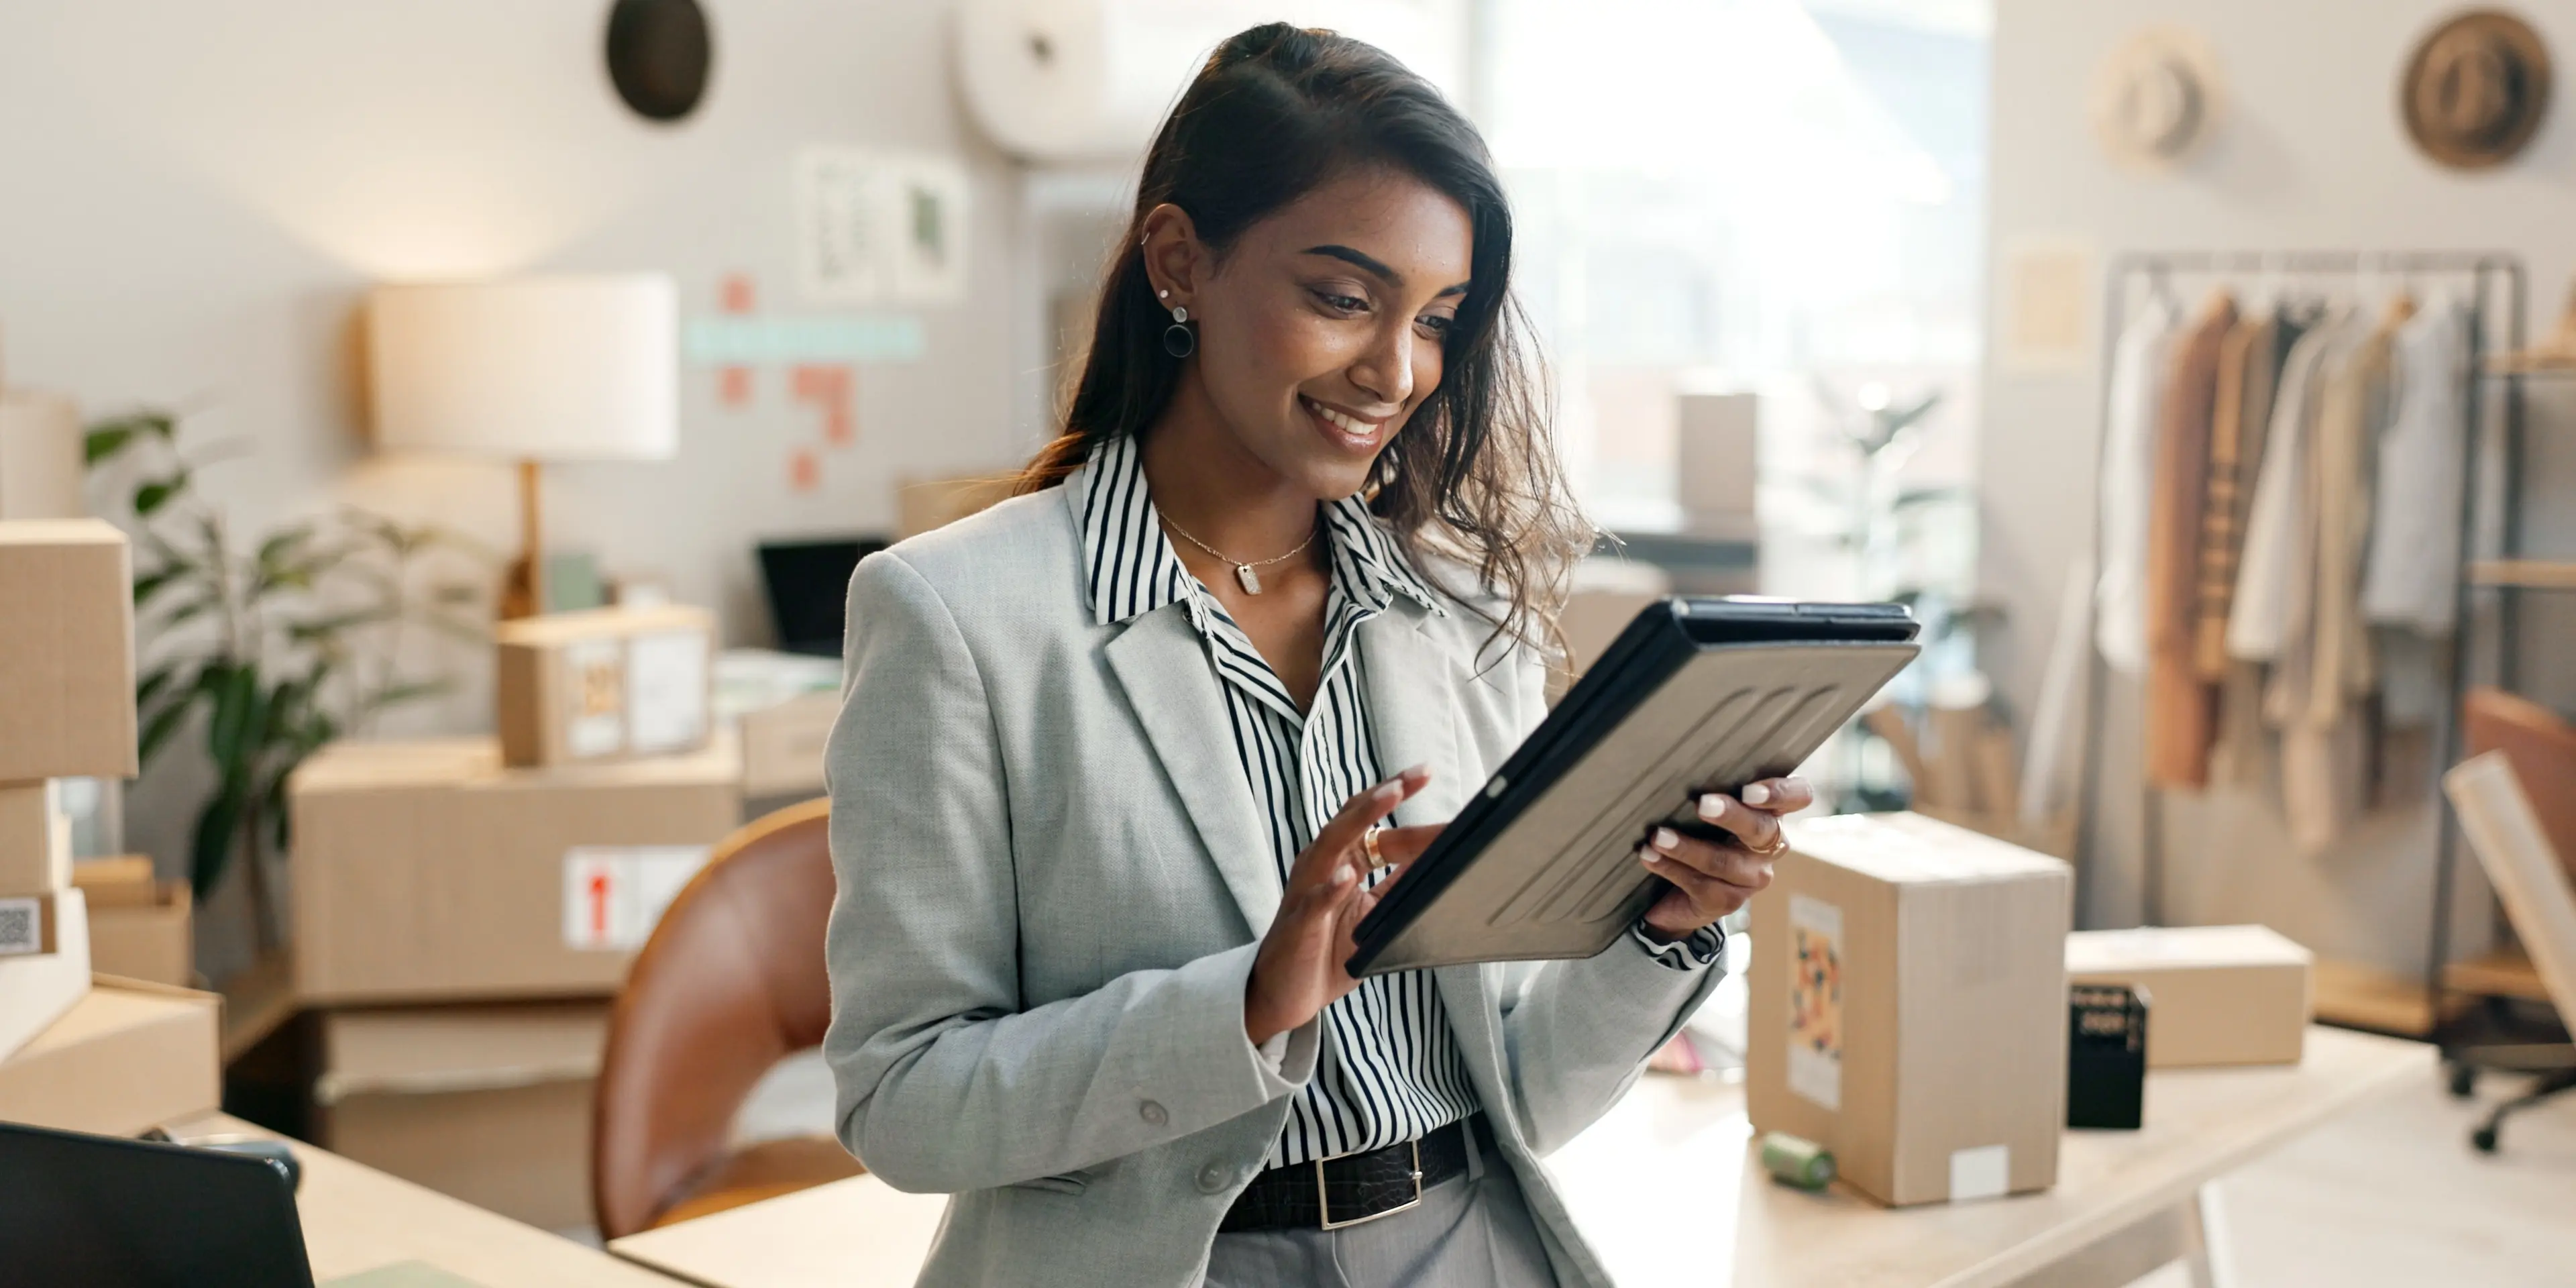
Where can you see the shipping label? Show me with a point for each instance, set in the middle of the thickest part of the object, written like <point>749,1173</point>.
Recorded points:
<point>22,927</point>
<point>1816,1001</point>
<point>666,691</point>
<point>615,894</point>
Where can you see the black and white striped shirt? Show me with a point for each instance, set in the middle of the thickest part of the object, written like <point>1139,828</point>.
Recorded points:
<point>1389,1068</point>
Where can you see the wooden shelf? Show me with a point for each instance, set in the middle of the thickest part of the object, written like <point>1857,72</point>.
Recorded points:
<point>2532,574</point>
<point>2357,996</point>
<point>2505,972</point>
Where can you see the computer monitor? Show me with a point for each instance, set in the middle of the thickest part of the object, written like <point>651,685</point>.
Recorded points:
<point>809,587</point>
<point>104,1212</point>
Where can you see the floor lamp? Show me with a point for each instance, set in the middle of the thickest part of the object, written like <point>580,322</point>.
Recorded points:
<point>531,370</point>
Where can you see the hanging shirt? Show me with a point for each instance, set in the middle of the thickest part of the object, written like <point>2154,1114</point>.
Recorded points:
<point>2137,387</point>
<point>1389,1069</point>
<point>2412,578</point>
<point>2277,525</point>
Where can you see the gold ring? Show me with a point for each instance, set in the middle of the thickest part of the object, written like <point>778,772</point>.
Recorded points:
<point>1368,842</point>
<point>1779,844</point>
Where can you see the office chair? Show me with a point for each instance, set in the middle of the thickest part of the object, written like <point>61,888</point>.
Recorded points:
<point>2509,839</point>
<point>731,982</point>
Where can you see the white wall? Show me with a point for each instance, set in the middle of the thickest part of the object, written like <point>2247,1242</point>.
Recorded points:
<point>195,197</point>
<point>2312,156</point>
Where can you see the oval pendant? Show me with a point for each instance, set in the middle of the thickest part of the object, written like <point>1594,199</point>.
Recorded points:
<point>1251,580</point>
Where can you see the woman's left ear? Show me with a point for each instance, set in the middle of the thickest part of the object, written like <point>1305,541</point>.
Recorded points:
<point>1174,256</point>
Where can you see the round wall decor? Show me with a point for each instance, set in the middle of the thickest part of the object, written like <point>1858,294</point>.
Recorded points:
<point>2476,89</point>
<point>659,52</point>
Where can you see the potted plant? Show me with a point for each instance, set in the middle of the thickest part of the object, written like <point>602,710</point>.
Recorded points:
<point>276,642</point>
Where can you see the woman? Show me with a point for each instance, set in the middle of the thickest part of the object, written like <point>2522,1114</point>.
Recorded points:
<point>1105,799</point>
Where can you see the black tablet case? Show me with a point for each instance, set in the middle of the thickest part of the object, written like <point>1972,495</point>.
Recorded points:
<point>1695,693</point>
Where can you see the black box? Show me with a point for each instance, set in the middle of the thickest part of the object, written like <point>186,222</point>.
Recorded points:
<point>2106,1056</point>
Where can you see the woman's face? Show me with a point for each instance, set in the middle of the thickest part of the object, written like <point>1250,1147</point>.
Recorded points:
<point>1320,328</point>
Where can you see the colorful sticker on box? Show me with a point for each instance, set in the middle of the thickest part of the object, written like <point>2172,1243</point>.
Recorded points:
<point>614,895</point>
<point>596,725</point>
<point>1816,1001</point>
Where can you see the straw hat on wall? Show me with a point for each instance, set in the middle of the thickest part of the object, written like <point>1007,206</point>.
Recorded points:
<point>2476,89</point>
<point>2157,98</point>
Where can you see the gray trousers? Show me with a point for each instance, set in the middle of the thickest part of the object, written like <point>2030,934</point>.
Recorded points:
<point>1471,1231</point>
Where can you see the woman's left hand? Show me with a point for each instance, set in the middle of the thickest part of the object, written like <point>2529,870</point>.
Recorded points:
<point>1709,879</point>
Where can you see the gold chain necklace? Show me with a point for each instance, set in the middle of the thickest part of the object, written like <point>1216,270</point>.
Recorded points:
<point>1244,573</point>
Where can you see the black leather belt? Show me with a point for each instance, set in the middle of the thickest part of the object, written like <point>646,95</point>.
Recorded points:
<point>1331,1193</point>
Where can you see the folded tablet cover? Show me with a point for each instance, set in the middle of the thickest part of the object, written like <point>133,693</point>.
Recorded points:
<point>1693,694</point>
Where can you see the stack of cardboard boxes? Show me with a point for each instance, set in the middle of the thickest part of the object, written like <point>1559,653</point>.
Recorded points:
<point>83,1053</point>
<point>463,908</point>
<point>66,709</point>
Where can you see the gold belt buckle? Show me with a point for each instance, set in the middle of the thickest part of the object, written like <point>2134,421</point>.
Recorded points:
<point>1324,1202</point>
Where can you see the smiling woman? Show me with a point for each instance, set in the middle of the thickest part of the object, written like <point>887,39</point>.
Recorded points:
<point>1108,791</point>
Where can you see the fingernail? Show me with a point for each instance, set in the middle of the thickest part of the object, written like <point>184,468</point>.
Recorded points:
<point>1712,807</point>
<point>1387,791</point>
<point>1666,838</point>
<point>1799,783</point>
<point>1756,794</point>
<point>1422,770</point>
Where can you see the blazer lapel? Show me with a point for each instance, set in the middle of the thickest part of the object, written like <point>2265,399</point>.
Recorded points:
<point>1410,688</point>
<point>1163,667</point>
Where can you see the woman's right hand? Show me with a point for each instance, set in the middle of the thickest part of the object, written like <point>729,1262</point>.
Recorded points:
<point>1299,968</point>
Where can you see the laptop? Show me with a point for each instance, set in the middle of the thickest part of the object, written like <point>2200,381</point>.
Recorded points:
<point>1694,694</point>
<point>809,589</point>
<point>104,1212</point>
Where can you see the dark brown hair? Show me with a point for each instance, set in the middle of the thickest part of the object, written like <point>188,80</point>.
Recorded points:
<point>1276,112</point>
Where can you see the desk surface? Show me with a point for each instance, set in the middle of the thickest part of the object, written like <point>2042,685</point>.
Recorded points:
<point>1672,1157</point>
<point>357,1219</point>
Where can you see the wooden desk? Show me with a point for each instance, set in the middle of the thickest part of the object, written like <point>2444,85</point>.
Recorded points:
<point>1667,1173</point>
<point>357,1219</point>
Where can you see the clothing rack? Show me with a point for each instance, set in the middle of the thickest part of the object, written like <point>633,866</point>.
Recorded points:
<point>2491,277</point>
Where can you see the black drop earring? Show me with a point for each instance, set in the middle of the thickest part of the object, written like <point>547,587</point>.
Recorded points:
<point>1178,339</point>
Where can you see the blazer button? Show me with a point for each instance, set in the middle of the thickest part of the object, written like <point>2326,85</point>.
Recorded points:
<point>1152,1113</point>
<point>1213,1177</point>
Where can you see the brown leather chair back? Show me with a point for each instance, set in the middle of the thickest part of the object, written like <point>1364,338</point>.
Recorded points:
<point>731,982</point>
<point>2541,744</point>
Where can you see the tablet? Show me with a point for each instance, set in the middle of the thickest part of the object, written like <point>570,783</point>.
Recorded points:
<point>1694,694</point>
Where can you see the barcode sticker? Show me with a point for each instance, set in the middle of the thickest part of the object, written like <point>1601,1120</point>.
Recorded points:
<point>614,895</point>
<point>22,927</point>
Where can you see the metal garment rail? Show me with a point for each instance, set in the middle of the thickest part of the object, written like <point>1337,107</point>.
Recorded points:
<point>2490,275</point>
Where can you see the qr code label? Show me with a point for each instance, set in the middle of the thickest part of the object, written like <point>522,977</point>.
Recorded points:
<point>22,927</point>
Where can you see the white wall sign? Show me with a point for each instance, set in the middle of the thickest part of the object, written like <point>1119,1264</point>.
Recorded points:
<point>874,226</point>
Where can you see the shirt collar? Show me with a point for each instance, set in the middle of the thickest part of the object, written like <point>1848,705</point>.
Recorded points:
<point>1130,567</point>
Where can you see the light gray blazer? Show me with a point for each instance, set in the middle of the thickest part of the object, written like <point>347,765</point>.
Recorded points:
<point>1052,881</point>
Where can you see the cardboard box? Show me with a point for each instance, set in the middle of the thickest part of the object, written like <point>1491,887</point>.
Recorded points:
<point>117,881</point>
<point>154,942</point>
<point>924,504</point>
<point>35,838</point>
<point>2216,995</point>
<point>782,746</point>
<point>129,1055</point>
<point>1716,449</point>
<point>1908,1006</point>
<point>489,1104</point>
<point>66,651</point>
<point>426,871</point>
<point>41,463</point>
<point>36,989</point>
<point>607,684</point>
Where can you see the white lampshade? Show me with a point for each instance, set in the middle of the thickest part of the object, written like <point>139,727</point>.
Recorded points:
<point>545,369</point>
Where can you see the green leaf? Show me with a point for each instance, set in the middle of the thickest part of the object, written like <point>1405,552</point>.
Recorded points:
<point>273,552</point>
<point>324,628</point>
<point>163,724</point>
<point>193,608</point>
<point>104,442</point>
<point>239,714</point>
<point>409,691</point>
<point>153,683</point>
<point>153,582</point>
<point>152,496</point>
<point>211,849</point>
